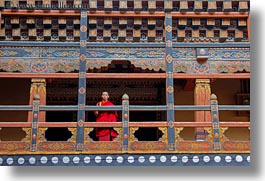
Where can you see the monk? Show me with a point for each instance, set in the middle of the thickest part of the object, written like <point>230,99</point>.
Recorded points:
<point>105,134</point>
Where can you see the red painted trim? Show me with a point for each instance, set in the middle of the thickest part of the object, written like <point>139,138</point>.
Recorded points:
<point>127,75</point>
<point>119,124</point>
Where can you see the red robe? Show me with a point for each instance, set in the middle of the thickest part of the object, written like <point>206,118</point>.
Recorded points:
<point>106,116</point>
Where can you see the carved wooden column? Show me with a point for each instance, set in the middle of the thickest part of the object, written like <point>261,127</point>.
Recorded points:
<point>202,94</point>
<point>38,86</point>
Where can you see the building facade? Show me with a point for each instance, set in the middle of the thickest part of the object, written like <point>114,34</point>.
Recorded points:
<point>177,71</point>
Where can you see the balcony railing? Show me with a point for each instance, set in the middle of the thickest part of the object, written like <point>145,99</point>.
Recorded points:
<point>215,139</point>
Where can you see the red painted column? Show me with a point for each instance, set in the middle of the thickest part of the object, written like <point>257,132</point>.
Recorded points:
<point>38,86</point>
<point>202,94</point>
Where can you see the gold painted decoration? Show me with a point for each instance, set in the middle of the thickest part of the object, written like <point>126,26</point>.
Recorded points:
<point>168,28</point>
<point>93,4</point>
<point>108,4</point>
<point>151,33</point>
<point>80,123</point>
<point>119,137</point>
<point>38,85</point>
<point>27,138</point>
<point>198,4</point>
<point>41,135</point>
<point>122,33</point>
<point>137,4</point>
<point>83,28</point>
<point>74,134</point>
<point>132,131</point>
<point>14,147</point>
<point>103,147</point>
<point>211,4</point>
<point>183,4</point>
<point>171,124</point>
<point>136,33</point>
<point>194,146</point>
<point>243,5</point>
<point>82,90</point>
<point>177,134</point>
<point>227,5</point>
<point>87,137</point>
<point>210,22</point>
<point>76,32</point>
<point>151,21</point>
<point>209,135</point>
<point>123,4</point>
<point>93,32</point>
<point>195,33</point>
<point>32,32</point>
<point>151,4</point>
<point>223,138</point>
<point>169,58</point>
<point>164,137</point>
<point>170,89</point>
<point>107,33</point>
<point>83,57</point>
<point>16,32</point>
<point>168,4</point>
<point>182,22</point>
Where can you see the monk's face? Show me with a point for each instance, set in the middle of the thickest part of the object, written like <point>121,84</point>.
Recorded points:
<point>105,96</point>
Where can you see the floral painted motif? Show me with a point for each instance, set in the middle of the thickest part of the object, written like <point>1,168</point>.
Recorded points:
<point>211,67</point>
<point>38,66</point>
<point>184,53</point>
<point>229,54</point>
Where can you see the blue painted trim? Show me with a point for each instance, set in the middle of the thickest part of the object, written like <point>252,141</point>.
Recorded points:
<point>169,82</point>
<point>126,45</point>
<point>125,124</point>
<point>34,125</point>
<point>81,83</point>
<point>132,108</point>
<point>127,160</point>
<point>215,124</point>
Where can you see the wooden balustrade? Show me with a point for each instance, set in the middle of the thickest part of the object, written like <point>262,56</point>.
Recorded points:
<point>125,142</point>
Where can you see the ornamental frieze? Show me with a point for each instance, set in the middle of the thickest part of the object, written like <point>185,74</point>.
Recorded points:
<point>123,53</point>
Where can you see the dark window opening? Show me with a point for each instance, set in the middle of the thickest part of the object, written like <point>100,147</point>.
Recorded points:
<point>148,134</point>
<point>57,134</point>
<point>62,116</point>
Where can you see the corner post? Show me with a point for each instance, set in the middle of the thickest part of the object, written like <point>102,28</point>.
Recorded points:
<point>34,127</point>
<point>169,77</point>
<point>215,122</point>
<point>125,122</point>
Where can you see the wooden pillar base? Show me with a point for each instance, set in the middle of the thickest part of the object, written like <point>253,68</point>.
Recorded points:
<point>38,86</point>
<point>202,94</point>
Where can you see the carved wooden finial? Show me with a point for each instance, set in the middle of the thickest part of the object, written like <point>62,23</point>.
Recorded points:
<point>125,97</point>
<point>213,97</point>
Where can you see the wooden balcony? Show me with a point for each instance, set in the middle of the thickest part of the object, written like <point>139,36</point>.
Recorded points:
<point>126,145</point>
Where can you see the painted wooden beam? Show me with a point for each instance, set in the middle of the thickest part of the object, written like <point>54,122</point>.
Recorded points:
<point>126,75</point>
<point>119,124</point>
<point>128,14</point>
